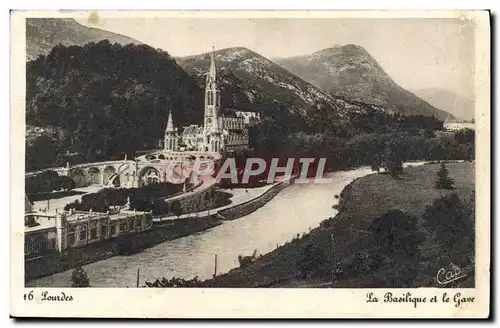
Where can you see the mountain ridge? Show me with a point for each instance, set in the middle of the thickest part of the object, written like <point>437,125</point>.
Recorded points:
<point>458,105</point>
<point>43,34</point>
<point>351,72</point>
<point>248,78</point>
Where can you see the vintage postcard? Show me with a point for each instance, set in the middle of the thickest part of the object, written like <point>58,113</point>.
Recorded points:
<point>264,164</point>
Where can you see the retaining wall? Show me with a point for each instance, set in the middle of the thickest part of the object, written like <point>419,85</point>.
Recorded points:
<point>252,205</point>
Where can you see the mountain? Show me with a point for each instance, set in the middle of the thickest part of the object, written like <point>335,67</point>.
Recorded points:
<point>105,99</point>
<point>459,106</point>
<point>249,81</point>
<point>42,34</point>
<point>351,72</point>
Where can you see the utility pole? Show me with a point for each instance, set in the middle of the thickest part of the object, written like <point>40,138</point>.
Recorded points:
<point>215,266</point>
<point>333,258</point>
<point>137,282</point>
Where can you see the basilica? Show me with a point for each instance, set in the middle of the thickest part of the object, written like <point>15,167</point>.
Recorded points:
<point>223,134</point>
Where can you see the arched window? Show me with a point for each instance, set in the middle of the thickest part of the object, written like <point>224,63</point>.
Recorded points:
<point>83,232</point>
<point>210,101</point>
<point>93,231</point>
<point>104,231</point>
<point>71,236</point>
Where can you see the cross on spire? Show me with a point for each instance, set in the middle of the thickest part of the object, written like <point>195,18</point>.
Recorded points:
<point>211,76</point>
<point>170,123</point>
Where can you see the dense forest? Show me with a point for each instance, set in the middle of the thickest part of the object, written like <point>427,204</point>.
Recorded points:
<point>109,99</point>
<point>363,138</point>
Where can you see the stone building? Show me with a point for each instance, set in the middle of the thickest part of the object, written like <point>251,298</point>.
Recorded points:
<point>71,229</point>
<point>76,229</point>
<point>249,118</point>
<point>219,133</point>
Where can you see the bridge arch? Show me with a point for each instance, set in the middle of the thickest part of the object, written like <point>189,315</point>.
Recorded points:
<point>78,175</point>
<point>107,173</point>
<point>121,177</point>
<point>94,176</point>
<point>149,175</point>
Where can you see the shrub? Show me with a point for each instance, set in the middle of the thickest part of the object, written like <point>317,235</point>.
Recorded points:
<point>67,183</point>
<point>451,226</point>
<point>29,221</point>
<point>366,261</point>
<point>176,209</point>
<point>48,181</point>
<point>245,261</point>
<point>397,235</point>
<point>79,278</point>
<point>311,258</point>
<point>175,282</point>
<point>146,198</point>
<point>465,136</point>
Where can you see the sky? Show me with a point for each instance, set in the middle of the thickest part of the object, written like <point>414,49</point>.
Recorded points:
<point>416,52</point>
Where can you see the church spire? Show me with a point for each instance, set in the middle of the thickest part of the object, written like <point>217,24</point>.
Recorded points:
<point>170,124</point>
<point>211,77</point>
<point>170,134</point>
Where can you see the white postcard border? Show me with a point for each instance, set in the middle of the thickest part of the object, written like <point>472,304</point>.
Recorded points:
<point>249,303</point>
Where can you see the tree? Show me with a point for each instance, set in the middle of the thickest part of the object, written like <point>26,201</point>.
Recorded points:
<point>443,180</point>
<point>176,209</point>
<point>67,183</point>
<point>29,221</point>
<point>397,234</point>
<point>465,136</point>
<point>429,134</point>
<point>376,163</point>
<point>40,153</point>
<point>245,261</point>
<point>451,225</point>
<point>394,164</point>
<point>43,182</point>
<point>79,278</point>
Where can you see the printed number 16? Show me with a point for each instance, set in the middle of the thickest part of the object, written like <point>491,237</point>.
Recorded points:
<point>29,296</point>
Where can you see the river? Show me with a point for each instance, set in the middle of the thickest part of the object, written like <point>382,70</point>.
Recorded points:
<point>296,209</point>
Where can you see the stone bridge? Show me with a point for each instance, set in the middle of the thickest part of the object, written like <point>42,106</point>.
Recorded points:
<point>161,166</point>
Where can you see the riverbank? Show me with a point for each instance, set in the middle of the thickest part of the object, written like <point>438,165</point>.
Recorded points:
<point>53,263</point>
<point>241,204</point>
<point>163,230</point>
<point>341,239</point>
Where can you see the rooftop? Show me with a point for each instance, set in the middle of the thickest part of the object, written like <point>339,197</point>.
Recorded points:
<point>47,220</point>
<point>193,129</point>
<point>112,214</point>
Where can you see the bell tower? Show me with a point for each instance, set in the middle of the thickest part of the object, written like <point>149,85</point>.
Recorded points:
<point>171,136</point>
<point>211,127</point>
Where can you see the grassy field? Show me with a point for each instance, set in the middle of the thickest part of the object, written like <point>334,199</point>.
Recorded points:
<point>349,233</point>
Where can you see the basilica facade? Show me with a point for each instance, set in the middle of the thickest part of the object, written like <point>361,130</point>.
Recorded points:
<point>219,133</point>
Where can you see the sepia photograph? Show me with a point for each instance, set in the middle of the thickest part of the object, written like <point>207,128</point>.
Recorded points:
<point>228,151</point>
